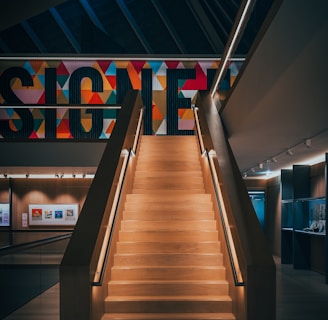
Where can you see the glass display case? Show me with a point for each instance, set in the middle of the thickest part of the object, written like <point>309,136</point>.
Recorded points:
<point>310,216</point>
<point>303,218</point>
<point>287,215</point>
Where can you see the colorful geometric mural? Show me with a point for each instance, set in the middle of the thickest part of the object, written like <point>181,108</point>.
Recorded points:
<point>55,81</point>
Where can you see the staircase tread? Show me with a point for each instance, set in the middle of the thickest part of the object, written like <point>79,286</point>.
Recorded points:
<point>169,231</point>
<point>169,267</point>
<point>169,254</point>
<point>168,281</point>
<point>167,316</point>
<point>222,298</point>
<point>173,242</point>
<point>160,221</point>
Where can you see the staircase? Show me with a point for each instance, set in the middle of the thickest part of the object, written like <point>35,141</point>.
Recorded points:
<point>168,263</point>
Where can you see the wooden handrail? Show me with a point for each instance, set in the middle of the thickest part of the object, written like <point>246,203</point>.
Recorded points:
<point>78,298</point>
<point>127,155</point>
<point>233,258</point>
<point>257,299</point>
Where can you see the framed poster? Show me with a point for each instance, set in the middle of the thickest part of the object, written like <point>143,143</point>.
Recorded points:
<point>53,214</point>
<point>4,215</point>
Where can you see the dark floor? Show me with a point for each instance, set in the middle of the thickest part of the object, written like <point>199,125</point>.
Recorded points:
<point>301,295</point>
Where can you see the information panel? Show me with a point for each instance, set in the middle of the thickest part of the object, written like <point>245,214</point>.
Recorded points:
<point>53,214</point>
<point>4,215</point>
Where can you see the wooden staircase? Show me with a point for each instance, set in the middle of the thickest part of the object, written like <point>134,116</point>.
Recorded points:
<point>168,263</point>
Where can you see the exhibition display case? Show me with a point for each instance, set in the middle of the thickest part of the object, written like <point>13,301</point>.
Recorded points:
<point>303,220</point>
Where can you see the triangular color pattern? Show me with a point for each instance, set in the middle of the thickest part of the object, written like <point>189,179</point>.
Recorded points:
<point>104,65</point>
<point>172,64</point>
<point>134,76</point>
<point>86,124</point>
<point>111,70</point>
<point>112,98</point>
<point>184,124</point>
<point>29,68</point>
<point>156,114</point>
<point>42,99</point>
<point>157,85</point>
<point>200,83</point>
<point>29,96</point>
<point>95,99</point>
<point>63,130</point>
<point>162,81</point>
<point>109,126</point>
<point>112,81</point>
<point>162,130</point>
<point>38,66</point>
<point>155,66</point>
<point>62,70</point>
<point>138,65</point>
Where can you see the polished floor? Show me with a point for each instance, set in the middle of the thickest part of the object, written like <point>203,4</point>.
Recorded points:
<point>301,295</point>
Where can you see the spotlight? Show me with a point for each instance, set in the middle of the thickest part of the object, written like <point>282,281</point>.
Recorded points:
<point>308,143</point>
<point>73,175</point>
<point>27,175</point>
<point>289,152</point>
<point>253,170</point>
<point>261,166</point>
<point>274,160</point>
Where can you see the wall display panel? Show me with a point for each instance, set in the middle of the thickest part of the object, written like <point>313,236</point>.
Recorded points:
<point>167,87</point>
<point>4,215</point>
<point>53,214</point>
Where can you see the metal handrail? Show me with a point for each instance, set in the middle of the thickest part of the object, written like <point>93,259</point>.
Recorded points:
<point>233,258</point>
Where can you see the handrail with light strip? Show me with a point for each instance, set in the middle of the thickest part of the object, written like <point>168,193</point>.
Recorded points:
<point>127,155</point>
<point>238,278</point>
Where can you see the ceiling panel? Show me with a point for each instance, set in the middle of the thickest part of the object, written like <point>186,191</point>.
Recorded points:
<point>184,27</point>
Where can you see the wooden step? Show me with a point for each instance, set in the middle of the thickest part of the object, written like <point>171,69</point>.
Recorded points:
<point>150,199</point>
<point>170,185</point>
<point>168,236</point>
<point>168,215</point>
<point>167,259</point>
<point>168,206</point>
<point>168,316</point>
<point>169,247</point>
<point>168,225</point>
<point>141,190</point>
<point>167,174</point>
<point>168,303</point>
<point>168,287</point>
<point>168,273</point>
<point>189,197</point>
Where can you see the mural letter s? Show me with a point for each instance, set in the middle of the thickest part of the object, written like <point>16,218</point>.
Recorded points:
<point>10,98</point>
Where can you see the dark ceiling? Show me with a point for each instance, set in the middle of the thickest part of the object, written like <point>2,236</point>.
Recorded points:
<point>278,102</point>
<point>125,27</point>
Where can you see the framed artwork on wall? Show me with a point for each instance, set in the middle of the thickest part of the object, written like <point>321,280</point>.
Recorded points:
<point>4,215</point>
<point>53,214</point>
